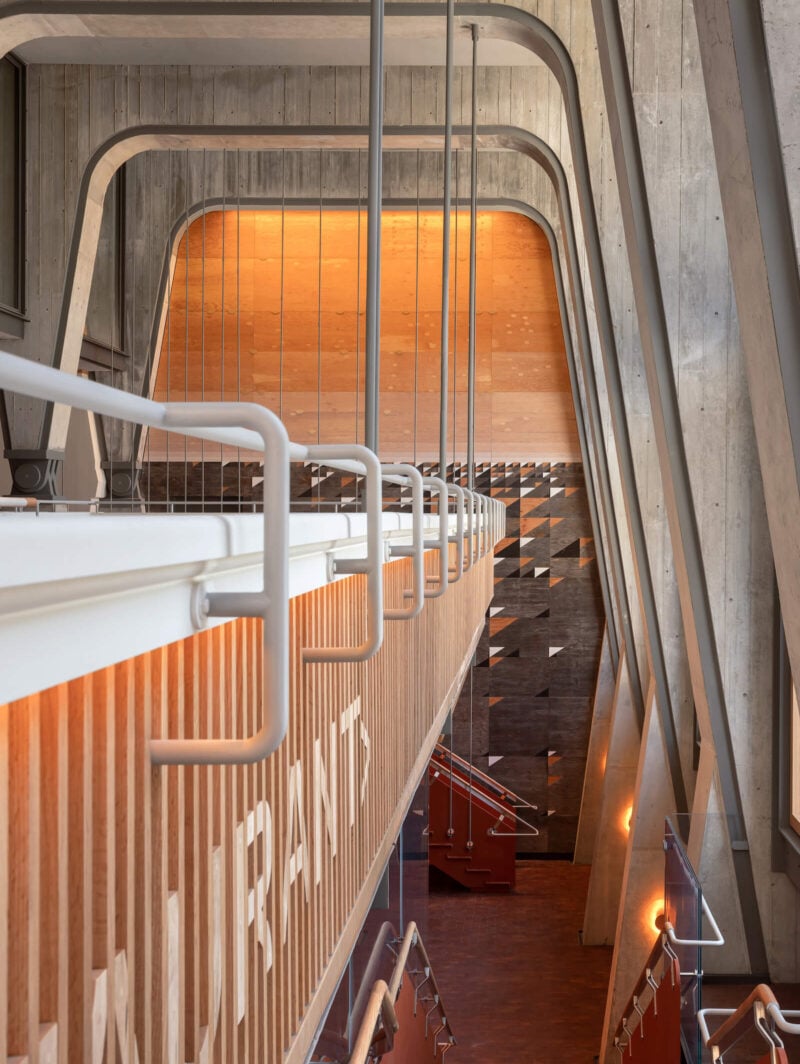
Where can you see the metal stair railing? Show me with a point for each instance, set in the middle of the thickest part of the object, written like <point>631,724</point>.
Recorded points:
<point>759,1011</point>
<point>465,783</point>
<point>379,1024</point>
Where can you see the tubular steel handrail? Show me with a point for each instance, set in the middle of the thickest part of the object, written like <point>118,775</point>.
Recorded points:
<point>416,551</point>
<point>718,939</point>
<point>437,485</point>
<point>249,426</point>
<point>493,804</point>
<point>488,781</point>
<point>760,1011</point>
<point>654,971</point>
<point>382,999</point>
<point>455,572</point>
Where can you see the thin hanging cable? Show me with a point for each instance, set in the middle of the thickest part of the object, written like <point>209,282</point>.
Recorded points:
<point>450,829</point>
<point>448,140</point>
<point>416,318</point>
<point>358,296</point>
<point>222,338</point>
<point>358,313</point>
<point>238,314</point>
<point>283,271</point>
<point>374,198</point>
<point>469,804</point>
<point>473,244</point>
<point>170,186</point>
<point>455,316</point>
<point>319,336</point>
<point>186,329</point>
<point>112,424</point>
<point>202,333</point>
<point>123,252</point>
<point>149,166</point>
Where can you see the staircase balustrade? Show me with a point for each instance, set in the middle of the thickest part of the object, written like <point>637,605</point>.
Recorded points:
<point>404,1019</point>
<point>760,1011</point>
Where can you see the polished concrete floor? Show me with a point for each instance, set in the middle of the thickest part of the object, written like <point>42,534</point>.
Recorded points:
<point>518,986</point>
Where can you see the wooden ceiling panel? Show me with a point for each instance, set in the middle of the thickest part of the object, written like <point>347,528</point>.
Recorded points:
<point>225,335</point>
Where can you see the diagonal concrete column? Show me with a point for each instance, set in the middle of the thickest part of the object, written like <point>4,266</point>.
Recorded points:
<point>758,224</point>
<point>615,807</point>
<point>596,757</point>
<point>642,893</point>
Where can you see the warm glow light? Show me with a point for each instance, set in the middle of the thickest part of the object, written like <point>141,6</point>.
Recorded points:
<point>653,911</point>
<point>626,819</point>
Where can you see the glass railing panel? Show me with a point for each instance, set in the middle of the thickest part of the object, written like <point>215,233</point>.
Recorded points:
<point>683,907</point>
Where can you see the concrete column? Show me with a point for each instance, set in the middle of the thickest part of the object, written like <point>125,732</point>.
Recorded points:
<point>616,805</point>
<point>596,757</point>
<point>642,894</point>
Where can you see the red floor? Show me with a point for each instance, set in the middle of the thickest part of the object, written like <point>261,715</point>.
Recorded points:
<point>518,986</point>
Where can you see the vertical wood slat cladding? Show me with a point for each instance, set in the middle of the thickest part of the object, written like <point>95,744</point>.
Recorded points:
<point>134,926</point>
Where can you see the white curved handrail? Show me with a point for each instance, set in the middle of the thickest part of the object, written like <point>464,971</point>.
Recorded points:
<point>436,484</point>
<point>411,475</point>
<point>455,572</point>
<point>249,426</point>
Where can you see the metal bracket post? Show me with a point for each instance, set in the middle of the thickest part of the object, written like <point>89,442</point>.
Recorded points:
<point>718,939</point>
<point>469,533</point>
<point>436,484</point>
<point>372,565</point>
<point>272,603</point>
<point>416,550</point>
<point>456,571</point>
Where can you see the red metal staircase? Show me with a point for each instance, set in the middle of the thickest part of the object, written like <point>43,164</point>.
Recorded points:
<point>472,826</point>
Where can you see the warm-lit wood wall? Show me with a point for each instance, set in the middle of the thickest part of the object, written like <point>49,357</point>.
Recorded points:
<point>225,335</point>
<point>131,896</point>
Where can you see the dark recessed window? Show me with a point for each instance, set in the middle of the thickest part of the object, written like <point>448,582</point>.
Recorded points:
<point>12,294</point>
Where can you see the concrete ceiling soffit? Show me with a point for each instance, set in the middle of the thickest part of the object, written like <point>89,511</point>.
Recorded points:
<point>257,32</point>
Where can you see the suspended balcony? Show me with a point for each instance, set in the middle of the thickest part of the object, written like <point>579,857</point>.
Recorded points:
<point>230,712</point>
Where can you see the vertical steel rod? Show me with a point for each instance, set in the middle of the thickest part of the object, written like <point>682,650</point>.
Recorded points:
<point>445,339</point>
<point>374,188</point>
<point>473,244</point>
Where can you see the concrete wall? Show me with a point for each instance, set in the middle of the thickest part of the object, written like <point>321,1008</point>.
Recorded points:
<point>73,109</point>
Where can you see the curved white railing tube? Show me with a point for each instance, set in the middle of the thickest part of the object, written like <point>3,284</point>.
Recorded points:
<point>780,1018</point>
<point>454,573</point>
<point>484,505</point>
<point>271,603</point>
<point>17,502</point>
<point>718,939</point>
<point>469,508</point>
<point>436,484</point>
<point>413,477</point>
<point>372,565</point>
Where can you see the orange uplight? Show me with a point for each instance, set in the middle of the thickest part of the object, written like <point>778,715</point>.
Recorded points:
<point>626,819</point>
<point>654,913</point>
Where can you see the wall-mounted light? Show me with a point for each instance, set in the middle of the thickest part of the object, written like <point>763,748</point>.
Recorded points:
<point>626,820</point>
<point>654,914</point>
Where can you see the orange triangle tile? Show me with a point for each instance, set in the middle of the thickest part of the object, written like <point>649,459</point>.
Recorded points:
<point>553,758</point>
<point>553,779</point>
<point>497,624</point>
<point>494,660</point>
<point>586,561</point>
<point>494,699</point>
<point>555,580</point>
<point>528,505</point>
<point>585,540</point>
<point>555,520</point>
<point>570,491</point>
<point>529,524</point>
